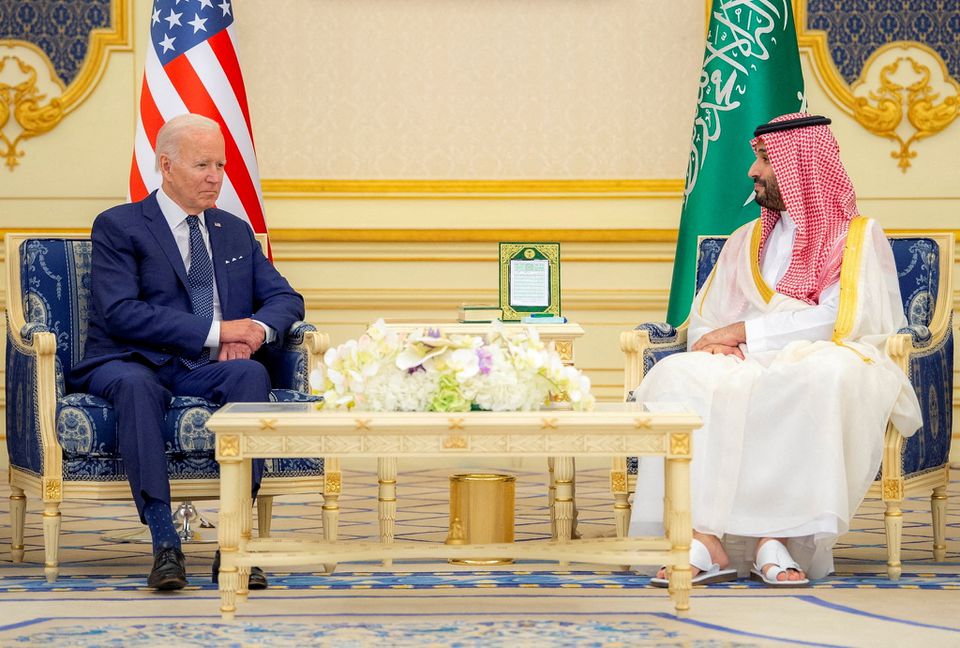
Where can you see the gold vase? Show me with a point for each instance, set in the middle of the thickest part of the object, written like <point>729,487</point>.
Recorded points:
<point>481,512</point>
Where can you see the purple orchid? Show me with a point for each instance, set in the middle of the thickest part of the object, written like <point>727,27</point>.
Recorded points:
<point>485,359</point>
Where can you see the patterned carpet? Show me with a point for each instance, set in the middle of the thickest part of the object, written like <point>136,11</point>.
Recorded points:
<point>101,598</point>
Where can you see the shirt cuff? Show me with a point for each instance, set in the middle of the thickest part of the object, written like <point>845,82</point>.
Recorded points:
<point>213,336</point>
<point>269,334</point>
<point>756,334</point>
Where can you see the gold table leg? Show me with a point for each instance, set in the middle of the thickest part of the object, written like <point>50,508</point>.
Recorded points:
<point>246,526</point>
<point>563,504</point>
<point>679,530</point>
<point>229,531</point>
<point>333,485</point>
<point>387,501</point>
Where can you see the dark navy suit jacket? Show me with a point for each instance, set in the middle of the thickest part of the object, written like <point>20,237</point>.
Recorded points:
<point>140,296</point>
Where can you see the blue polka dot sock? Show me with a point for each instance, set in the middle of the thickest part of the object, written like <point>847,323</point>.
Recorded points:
<point>160,520</point>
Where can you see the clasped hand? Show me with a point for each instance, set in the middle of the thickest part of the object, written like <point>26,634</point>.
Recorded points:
<point>724,341</point>
<point>240,339</point>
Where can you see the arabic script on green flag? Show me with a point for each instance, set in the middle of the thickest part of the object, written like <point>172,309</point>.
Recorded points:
<point>751,74</point>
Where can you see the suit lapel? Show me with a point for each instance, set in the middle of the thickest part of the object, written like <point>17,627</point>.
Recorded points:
<point>158,226</point>
<point>217,244</point>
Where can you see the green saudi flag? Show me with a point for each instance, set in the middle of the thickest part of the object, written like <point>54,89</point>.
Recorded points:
<point>751,74</point>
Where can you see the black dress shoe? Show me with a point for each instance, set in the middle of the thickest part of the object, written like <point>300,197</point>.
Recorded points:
<point>258,579</point>
<point>169,570</point>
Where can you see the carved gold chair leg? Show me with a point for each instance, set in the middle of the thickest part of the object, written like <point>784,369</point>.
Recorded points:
<point>938,508</point>
<point>264,515</point>
<point>893,522</point>
<point>621,513</point>
<point>621,494</point>
<point>18,515</point>
<point>51,540</point>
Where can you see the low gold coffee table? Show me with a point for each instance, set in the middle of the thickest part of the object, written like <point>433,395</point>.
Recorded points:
<point>247,431</point>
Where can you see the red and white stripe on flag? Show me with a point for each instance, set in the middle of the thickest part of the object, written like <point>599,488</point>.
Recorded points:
<point>192,67</point>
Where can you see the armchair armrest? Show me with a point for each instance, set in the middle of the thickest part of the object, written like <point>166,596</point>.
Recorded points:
<point>919,333</point>
<point>302,351</point>
<point>644,346</point>
<point>32,391</point>
<point>925,356</point>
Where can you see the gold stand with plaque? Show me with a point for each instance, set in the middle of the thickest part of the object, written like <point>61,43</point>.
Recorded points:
<point>529,280</point>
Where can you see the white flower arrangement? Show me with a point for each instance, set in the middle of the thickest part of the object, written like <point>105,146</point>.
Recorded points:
<point>430,372</point>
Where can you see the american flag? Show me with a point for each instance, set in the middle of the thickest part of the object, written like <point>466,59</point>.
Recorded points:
<point>192,66</point>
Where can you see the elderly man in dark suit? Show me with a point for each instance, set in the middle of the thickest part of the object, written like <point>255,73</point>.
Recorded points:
<point>182,299</point>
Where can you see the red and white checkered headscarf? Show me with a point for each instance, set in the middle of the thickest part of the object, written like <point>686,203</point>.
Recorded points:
<point>820,199</point>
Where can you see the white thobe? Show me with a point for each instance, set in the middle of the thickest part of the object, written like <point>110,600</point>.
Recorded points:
<point>793,434</point>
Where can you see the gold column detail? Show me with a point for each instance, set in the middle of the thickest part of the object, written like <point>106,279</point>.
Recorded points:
<point>230,446</point>
<point>52,490</point>
<point>892,489</point>
<point>564,350</point>
<point>618,482</point>
<point>680,443</point>
<point>332,483</point>
<point>455,443</point>
<point>642,423</point>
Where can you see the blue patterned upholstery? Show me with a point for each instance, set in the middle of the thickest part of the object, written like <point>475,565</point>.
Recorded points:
<point>55,284</point>
<point>931,365</point>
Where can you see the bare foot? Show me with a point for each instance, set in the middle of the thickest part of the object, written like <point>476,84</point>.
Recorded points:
<point>714,546</point>
<point>789,574</point>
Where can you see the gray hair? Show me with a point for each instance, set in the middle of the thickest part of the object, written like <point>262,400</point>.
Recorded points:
<point>171,133</point>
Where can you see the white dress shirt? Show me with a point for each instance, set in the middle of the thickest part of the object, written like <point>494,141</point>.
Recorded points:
<point>176,219</point>
<point>776,330</point>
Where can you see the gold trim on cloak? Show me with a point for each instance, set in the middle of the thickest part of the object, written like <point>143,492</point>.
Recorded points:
<point>765,291</point>
<point>849,284</point>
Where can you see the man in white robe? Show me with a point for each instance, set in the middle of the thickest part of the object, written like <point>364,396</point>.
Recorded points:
<point>786,366</point>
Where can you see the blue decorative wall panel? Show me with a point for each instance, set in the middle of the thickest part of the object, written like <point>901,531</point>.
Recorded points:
<point>856,28</point>
<point>61,28</point>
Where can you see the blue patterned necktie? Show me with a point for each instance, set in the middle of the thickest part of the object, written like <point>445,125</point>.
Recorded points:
<point>200,277</point>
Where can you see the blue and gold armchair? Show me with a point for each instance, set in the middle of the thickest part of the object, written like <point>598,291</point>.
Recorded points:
<point>64,445</point>
<point>923,349</point>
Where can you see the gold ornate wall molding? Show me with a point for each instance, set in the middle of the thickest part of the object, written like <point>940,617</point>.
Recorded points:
<point>32,99</point>
<point>618,188</point>
<point>904,91</point>
<point>32,93</point>
<point>379,235</point>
